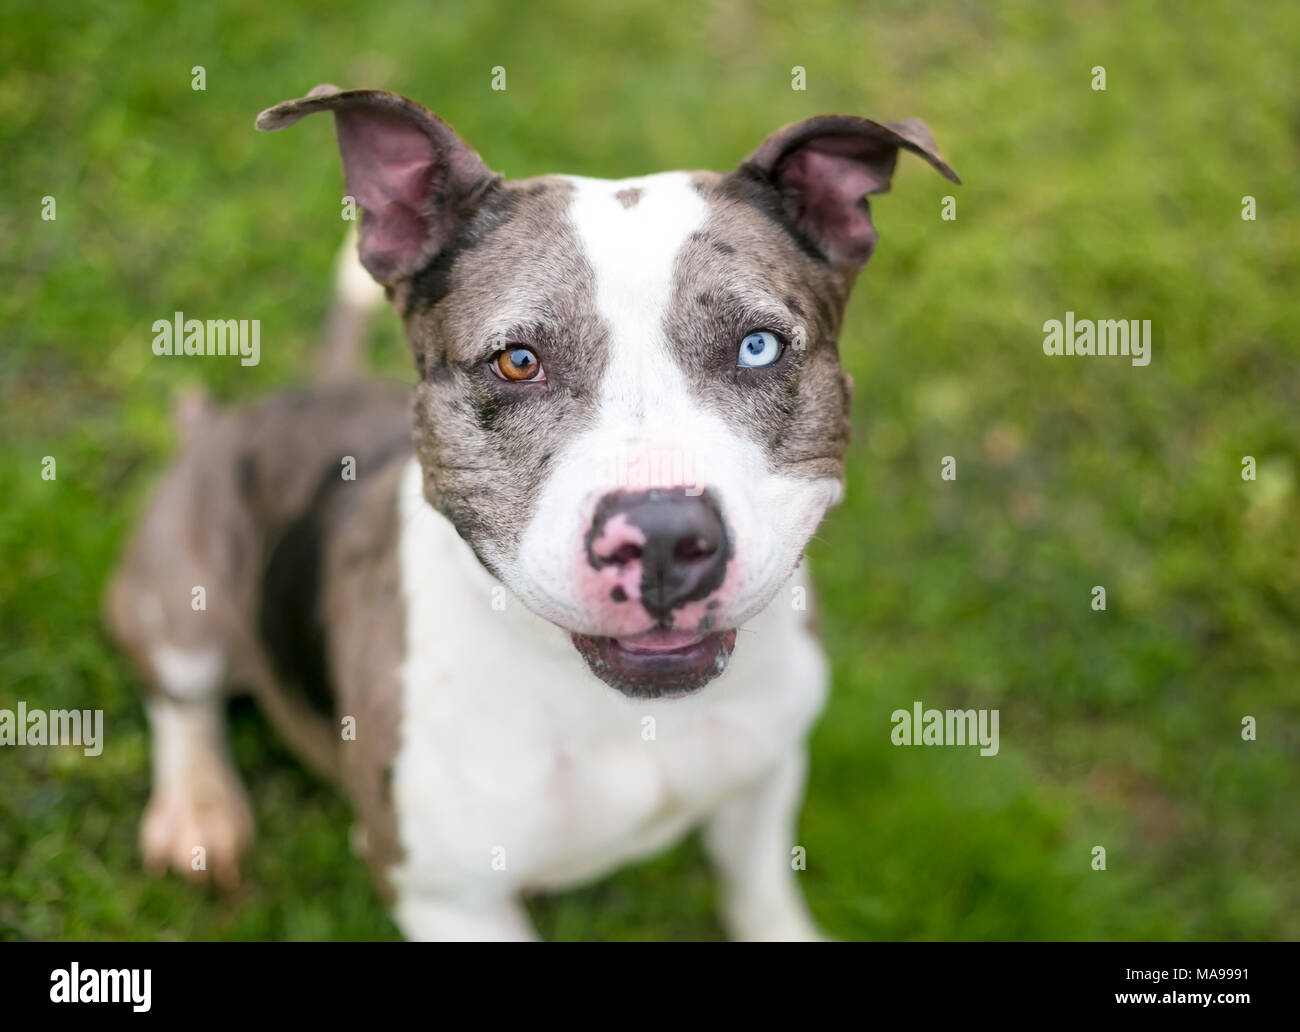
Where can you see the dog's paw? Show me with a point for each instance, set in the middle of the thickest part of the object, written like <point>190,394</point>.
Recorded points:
<point>800,930</point>
<point>748,922</point>
<point>198,829</point>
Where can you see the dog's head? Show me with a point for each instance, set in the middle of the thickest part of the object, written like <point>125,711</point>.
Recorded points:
<point>630,404</point>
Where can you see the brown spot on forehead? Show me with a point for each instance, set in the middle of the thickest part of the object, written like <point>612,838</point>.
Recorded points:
<point>629,197</point>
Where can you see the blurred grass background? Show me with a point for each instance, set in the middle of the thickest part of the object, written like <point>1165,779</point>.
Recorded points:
<point>1119,729</point>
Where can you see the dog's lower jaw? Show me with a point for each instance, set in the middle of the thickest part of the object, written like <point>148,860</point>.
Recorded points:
<point>658,673</point>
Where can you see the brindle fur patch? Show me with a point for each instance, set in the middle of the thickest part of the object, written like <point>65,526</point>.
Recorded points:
<point>746,271</point>
<point>486,445</point>
<point>363,612</point>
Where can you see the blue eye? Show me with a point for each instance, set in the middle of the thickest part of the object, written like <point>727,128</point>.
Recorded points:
<point>760,348</point>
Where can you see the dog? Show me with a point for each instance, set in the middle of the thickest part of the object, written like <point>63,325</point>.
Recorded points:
<point>544,614</point>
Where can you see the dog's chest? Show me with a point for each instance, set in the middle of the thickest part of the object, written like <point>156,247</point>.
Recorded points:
<point>501,774</point>
<point>519,768</point>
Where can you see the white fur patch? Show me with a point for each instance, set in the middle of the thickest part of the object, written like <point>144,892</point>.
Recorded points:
<point>520,769</point>
<point>189,673</point>
<point>181,736</point>
<point>633,251</point>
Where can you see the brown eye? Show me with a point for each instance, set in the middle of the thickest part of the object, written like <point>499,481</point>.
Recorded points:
<point>518,363</point>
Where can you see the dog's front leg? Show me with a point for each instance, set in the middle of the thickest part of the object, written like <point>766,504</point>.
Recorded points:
<point>751,842</point>
<point>437,918</point>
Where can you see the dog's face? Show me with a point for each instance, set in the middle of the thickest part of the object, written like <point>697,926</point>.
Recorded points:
<point>630,402</point>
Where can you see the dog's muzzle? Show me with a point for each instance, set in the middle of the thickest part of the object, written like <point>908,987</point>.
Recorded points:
<point>664,549</point>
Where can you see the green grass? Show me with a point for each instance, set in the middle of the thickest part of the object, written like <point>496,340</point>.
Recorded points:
<point>1119,728</point>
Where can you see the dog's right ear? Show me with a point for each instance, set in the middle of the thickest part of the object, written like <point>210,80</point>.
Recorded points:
<point>823,168</point>
<point>413,177</point>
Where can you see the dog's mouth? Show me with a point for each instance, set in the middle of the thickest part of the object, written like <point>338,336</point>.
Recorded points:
<point>658,664</point>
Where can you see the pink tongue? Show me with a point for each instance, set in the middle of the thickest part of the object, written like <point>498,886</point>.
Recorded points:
<point>660,641</point>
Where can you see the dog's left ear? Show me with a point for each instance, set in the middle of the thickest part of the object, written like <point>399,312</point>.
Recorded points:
<point>414,178</point>
<point>824,167</point>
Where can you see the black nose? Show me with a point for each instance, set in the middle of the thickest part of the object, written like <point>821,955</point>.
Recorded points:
<point>679,540</point>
